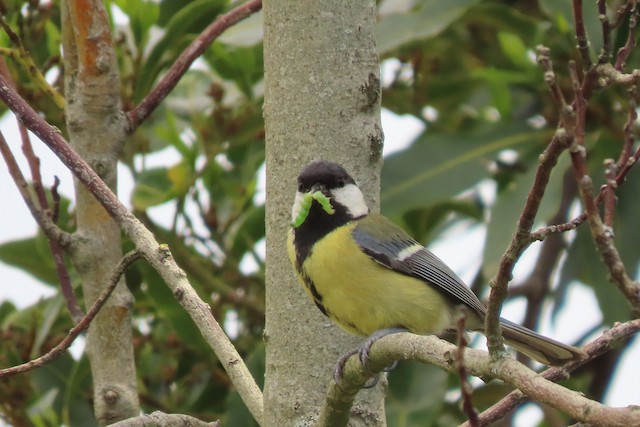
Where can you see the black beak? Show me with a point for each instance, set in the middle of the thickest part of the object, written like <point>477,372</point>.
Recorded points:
<point>321,188</point>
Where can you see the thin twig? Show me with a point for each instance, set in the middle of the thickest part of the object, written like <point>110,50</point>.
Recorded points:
<point>53,239</point>
<point>55,210</point>
<point>605,54</point>
<point>581,35</point>
<point>544,59</point>
<point>625,167</point>
<point>44,222</point>
<point>82,325</point>
<point>625,51</point>
<point>537,285</point>
<point>530,384</point>
<point>184,61</point>
<point>34,166</point>
<point>55,247</point>
<point>621,13</point>
<point>465,388</point>
<point>521,239</point>
<point>159,256</point>
<point>608,192</point>
<point>599,346</point>
<point>602,235</point>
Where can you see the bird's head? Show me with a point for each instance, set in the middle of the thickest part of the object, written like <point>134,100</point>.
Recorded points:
<point>325,189</point>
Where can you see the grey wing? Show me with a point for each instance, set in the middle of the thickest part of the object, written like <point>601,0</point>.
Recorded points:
<point>421,263</point>
<point>426,266</point>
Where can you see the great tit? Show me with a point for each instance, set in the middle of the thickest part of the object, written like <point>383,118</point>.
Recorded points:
<point>370,277</point>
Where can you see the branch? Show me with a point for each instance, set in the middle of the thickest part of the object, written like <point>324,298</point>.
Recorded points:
<point>575,127</point>
<point>184,61</point>
<point>605,54</point>
<point>625,51</point>
<point>625,166</point>
<point>603,344</point>
<point>51,230</point>
<point>521,239</point>
<point>55,246</point>
<point>158,256</point>
<point>581,35</point>
<point>537,285</point>
<point>538,387</point>
<point>48,226</point>
<point>602,234</point>
<point>159,419</point>
<point>465,388</point>
<point>82,325</point>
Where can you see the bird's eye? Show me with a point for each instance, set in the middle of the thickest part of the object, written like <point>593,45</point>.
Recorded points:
<point>341,182</point>
<point>301,187</point>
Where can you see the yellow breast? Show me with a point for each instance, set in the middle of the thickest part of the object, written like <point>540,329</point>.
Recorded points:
<point>363,296</point>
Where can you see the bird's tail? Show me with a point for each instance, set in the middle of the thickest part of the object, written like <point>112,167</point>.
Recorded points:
<point>544,350</point>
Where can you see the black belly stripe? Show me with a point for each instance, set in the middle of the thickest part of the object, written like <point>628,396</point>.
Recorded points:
<point>317,298</point>
<point>321,307</point>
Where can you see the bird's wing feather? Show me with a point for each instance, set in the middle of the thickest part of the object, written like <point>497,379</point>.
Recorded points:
<point>392,247</point>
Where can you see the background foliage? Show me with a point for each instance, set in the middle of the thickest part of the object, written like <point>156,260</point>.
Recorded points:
<point>465,68</point>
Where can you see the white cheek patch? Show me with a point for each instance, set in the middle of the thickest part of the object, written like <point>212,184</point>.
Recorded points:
<point>351,198</point>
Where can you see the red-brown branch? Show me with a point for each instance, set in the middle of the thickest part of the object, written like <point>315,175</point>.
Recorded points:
<point>184,61</point>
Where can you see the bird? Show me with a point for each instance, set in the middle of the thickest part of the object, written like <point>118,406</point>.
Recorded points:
<point>370,277</point>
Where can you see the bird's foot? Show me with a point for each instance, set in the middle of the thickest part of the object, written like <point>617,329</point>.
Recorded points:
<point>363,355</point>
<point>338,372</point>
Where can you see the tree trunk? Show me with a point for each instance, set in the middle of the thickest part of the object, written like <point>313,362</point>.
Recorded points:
<point>322,100</point>
<point>96,128</point>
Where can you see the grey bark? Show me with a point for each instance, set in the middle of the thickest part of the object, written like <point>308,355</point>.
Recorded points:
<point>322,100</point>
<point>96,129</point>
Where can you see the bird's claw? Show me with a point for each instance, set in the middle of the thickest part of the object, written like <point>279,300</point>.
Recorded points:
<point>363,356</point>
<point>338,372</point>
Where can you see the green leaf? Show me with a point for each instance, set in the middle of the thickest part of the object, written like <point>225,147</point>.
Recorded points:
<point>562,14</point>
<point>237,413</point>
<point>41,413</point>
<point>514,49</point>
<point>142,16</point>
<point>28,256</point>
<point>509,204</point>
<point>242,65</point>
<point>584,263</point>
<point>420,223</point>
<point>182,26</point>
<point>159,185</point>
<point>415,394</point>
<point>77,408</point>
<point>169,310</point>
<point>488,394</point>
<point>428,20</point>
<point>500,83</point>
<point>245,33</point>
<point>53,38</point>
<point>50,313</point>
<point>440,166</point>
<point>6,309</point>
<point>53,377</point>
<point>507,18</point>
<point>247,230</point>
<point>627,232</point>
